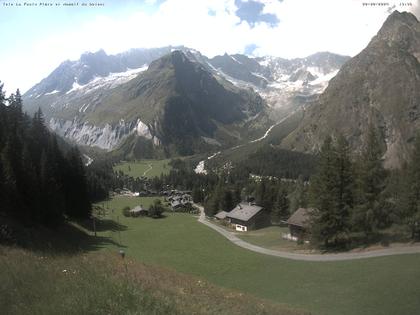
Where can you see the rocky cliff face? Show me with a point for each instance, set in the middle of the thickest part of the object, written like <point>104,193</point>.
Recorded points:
<point>106,137</point>
<point>379,86</point>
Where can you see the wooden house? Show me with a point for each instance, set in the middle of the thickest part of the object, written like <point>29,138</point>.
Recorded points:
<point>245,217</point>
<point>299,223</point>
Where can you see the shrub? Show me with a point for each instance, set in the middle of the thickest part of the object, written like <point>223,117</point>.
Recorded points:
<point>156,210</point>
<point>126,211</point>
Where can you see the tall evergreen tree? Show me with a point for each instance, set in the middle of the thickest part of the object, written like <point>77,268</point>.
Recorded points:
<point>331,192</point>
<point>298,197</point>
<point>413,192</point>
<point>281,206</point>
<point>369,212</point>
<point>76,186</point>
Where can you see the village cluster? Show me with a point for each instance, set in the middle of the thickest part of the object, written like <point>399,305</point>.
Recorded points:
<point>246,216</point>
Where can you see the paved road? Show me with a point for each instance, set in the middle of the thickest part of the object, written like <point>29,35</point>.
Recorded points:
<point>307,257</point>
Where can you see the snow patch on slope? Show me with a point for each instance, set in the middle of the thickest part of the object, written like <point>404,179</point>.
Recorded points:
<point>110,81</point>
<point>50,93</point>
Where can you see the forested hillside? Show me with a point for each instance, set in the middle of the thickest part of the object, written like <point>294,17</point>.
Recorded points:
<point>40,183</point>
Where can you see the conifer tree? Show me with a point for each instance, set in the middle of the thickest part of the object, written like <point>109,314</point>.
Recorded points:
<point>298,197</point>
<point>281,206</point>
<point>369,215</point>
<point>413,197</point>
<point>331,191</point>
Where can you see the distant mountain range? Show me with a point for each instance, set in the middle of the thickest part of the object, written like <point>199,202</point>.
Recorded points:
<point>174,98</point>
<point>379,87</point>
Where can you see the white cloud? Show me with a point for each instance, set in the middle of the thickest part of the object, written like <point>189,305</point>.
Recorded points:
<point>306,26</point>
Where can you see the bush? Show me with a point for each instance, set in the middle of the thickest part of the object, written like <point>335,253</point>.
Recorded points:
<point>188,209</point>
<point>156,210</point>
<point>6,234</point>
<point>126,211</point>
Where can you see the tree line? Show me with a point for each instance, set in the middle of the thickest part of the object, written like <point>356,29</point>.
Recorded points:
<point>355,196</point>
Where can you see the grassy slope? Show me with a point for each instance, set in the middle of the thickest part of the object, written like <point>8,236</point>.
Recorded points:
<point>99,283</point>
<point>137,168</point>
<point>386,285</point>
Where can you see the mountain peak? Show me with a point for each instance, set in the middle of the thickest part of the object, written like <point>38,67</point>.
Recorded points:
<point>175,58</point>
<point>401,29</point>
<point>395,21</point>
<point>404,17</point>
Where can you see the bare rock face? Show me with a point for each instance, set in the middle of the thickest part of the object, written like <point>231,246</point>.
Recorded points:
<point>379,86</point>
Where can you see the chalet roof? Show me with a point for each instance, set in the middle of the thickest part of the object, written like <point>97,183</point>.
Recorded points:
<point>221,215</point>
<point>138,209</point>
<point>176,203</point>
<point>244,212</point>
<point>300,217</point>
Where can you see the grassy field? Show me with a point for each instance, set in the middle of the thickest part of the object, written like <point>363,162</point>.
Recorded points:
<point>271,237</point>
<point>385,285</point>
<point>148,168</point>
<point>103,283</point>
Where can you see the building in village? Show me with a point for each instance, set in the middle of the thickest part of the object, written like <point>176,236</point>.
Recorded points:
<point>221,215</point>
<point>299,223</point>
<point>245,217</point>
<point>180,200</point>
<point>139,211</point>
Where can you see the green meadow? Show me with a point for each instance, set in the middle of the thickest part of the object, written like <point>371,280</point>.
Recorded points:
<point>147,168</point>
<point>384,285</point>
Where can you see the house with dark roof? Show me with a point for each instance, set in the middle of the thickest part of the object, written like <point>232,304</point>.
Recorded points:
<point>299,223</point>
<point>246,217</point>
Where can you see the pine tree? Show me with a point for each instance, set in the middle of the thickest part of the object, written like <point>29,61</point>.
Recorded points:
<point>75,185</point>
<point>298,198</point>
<point>345,171</point>
<point>368,214</point>
<point>413,197</point>
<point>281,206</point>
<point>331,191</point>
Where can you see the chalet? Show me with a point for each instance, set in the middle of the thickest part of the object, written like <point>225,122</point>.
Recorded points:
<point>139,211</point>
<point>248,217</point>
<point>176,204</point>
<point>180,203</point>
<point>221,215</point>
<point>299,223</point>
<point>183,198</point>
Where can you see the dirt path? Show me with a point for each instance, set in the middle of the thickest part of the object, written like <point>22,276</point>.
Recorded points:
<point>148,170</point>
<point>307,257</point>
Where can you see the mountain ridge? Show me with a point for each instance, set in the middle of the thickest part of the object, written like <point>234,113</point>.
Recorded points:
<point>101,100</point>
<point>380,86</point>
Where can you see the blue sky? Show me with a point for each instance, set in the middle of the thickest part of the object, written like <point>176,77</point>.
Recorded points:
<point>35,40</point>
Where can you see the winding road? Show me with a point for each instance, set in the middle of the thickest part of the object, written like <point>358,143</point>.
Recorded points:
<point>414,249</point>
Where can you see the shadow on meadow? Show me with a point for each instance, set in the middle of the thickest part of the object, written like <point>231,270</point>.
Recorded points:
<point>68,238</point>
<point>102,225</point>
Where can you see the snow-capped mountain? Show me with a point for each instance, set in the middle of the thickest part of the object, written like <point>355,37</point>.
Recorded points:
<point>283,83</point>
<point>174,103</point>
<point>97,100</point>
